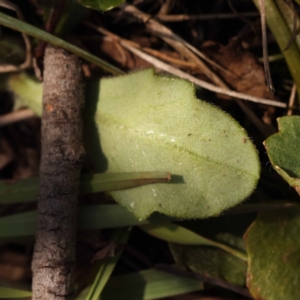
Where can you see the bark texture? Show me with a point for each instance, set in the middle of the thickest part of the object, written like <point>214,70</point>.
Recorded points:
<point>61,161</point>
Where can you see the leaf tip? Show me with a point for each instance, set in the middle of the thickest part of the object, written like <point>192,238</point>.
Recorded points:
<point>169,176</point>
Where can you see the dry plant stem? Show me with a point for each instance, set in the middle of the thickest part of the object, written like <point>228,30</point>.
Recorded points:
<point>168,58</point>
<point>265,45</point>
<point>135,48</point>
<point>292,100</point>
<point>16,116</point>
<point>206,279</point>
<point>170,69</point>
<point>61,161</point>
<point>181,18</point>
<point>161,55</point>
<point>191,53</point>
<point>175,41</point>
<point>166,6</point>
<point>111,37</point>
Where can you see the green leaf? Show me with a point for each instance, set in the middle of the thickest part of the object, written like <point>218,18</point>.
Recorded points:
<point>25,190</point>
<point>27,91</point>
<point>151,123</point>
<point>101,4</point>
<point>107,266</point>
<point>283,150</point>
<point>10,293</point>
<point>177,234</point>
<point>212,262</point>
<point>273,246</point>
<point>147,285</point>
<point>90,217</point>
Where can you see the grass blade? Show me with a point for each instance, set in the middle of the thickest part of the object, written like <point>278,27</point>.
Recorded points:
<point>147,285</point>
<point>10,293</point>
<point>25,190</point>
<point>21,26</point>
<point>23,224</point>
<point>176,234</point>
<point>107,266</point>
<point>90,217</point>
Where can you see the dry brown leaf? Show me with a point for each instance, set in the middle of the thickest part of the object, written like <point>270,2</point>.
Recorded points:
<point>244,74</point>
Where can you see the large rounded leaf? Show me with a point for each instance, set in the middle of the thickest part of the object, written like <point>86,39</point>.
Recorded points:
<point>211,262</point>
<point>150,123</point>
<point>273,245</point>
<point>283,150</point>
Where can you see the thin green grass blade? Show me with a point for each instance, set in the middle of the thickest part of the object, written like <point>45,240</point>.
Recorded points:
<point>21,26</point>
<point>107,266</point>
<point>177,234</point>
<point>10,293</point>
<point>23,224</point>
<point>110,216</point>
<point>90,217</point>
<point>147,285</point>
<point>25,190</point>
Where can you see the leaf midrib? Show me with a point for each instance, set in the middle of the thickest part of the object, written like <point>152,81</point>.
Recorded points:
<point>111,121</point>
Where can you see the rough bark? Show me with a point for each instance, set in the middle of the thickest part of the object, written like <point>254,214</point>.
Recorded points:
<point>61,161</point>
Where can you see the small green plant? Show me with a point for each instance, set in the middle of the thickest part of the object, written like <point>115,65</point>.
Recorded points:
<point>166,156</point>
<point>144,122</point>
<point>283,150</point>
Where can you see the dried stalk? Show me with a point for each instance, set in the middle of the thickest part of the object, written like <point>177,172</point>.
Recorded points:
<point>61,161</point>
